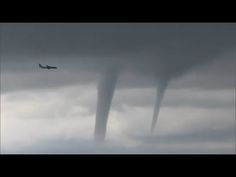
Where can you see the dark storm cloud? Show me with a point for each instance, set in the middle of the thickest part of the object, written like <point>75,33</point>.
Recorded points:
<point>148,50</point>
<point>220,73</point>
<point>163,48</point>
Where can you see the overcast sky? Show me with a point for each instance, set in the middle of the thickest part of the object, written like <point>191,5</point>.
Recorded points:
<point>53,111</point>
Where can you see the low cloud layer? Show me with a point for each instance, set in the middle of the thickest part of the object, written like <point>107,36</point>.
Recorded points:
<point>65,123</point>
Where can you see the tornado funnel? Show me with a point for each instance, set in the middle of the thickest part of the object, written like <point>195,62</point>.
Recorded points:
<point>106,89</point>
<point>161,87</point>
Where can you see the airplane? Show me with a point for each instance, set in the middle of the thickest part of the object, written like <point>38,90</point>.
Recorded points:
<point>47,67</point>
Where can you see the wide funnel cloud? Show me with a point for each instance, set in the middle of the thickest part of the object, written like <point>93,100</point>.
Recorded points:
<point>106,89</point>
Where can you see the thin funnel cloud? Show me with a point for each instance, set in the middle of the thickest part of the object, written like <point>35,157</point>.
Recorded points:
<point>161,87</point>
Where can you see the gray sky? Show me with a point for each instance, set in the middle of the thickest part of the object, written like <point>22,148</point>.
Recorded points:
<point>54,111</point>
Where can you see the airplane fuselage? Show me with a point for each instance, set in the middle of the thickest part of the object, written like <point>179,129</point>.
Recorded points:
<point>47,67</point>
